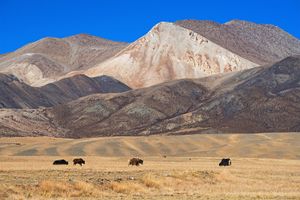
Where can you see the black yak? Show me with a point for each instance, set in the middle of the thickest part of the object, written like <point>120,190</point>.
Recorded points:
<point>79,161</point>
<point>60,162</point>
<point>225,162</point>
<point>135,161</point>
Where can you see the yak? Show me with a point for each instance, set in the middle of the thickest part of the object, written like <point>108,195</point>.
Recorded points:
<point>135,161</point>
<point>225,162</point>
<point>79,161</point>
<point>60,162</point>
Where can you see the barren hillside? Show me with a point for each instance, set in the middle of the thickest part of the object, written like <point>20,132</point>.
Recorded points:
<point>188,77</point>
<point>168,52</point>
<point>261,99</point>
<point>46,60</point>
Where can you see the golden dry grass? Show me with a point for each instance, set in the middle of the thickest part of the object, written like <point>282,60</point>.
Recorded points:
<point>158,178</point>
<point>187,171</point>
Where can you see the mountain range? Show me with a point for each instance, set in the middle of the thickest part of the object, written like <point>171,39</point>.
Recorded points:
<point>186,77</point>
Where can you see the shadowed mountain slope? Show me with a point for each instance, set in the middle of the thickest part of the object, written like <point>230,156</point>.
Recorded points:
<point>17,94</point>
<point>263,99</point>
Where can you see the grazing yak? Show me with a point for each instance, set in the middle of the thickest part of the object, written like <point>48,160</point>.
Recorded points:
<point>79,161</point>
<point>60,162</point>
<point>135,161</point>
<point>225,162</point>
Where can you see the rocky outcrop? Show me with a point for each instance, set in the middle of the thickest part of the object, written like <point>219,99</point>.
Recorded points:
<point>259,43</point>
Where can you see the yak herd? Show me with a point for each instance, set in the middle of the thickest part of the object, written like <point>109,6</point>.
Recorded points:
<point>76,161</point>
<point>132,161</point>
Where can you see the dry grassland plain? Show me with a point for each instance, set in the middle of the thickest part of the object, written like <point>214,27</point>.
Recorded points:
<point>264,166</point>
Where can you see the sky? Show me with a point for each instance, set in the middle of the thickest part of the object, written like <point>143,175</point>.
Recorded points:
<point>25,21</point>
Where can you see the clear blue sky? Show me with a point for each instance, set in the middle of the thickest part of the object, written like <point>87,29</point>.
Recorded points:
<point>24,21</point>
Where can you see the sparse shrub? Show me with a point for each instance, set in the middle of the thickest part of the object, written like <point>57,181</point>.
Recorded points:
<point>125,187</point>
<point>81,188</point>
<point>151,181</point>
<point>54,188</point>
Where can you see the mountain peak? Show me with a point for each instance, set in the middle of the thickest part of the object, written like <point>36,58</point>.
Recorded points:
<point>237,21</point>
<point>91,40</point>
<point>168,52</point>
